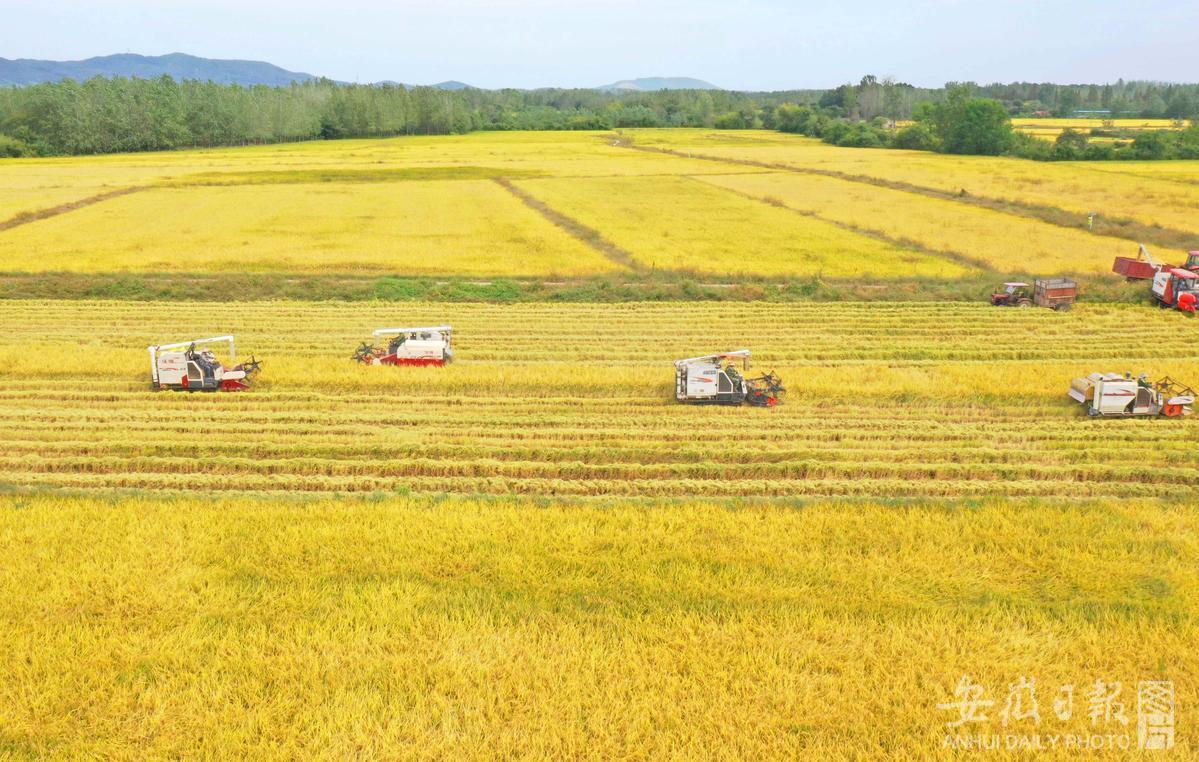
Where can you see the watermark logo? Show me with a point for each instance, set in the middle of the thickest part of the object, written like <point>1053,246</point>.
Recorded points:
<point>1101,723</point>
<point>1155,714</point>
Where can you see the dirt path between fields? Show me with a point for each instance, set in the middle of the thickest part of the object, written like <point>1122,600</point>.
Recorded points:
<point>573,227</point>
<point>24,218</point>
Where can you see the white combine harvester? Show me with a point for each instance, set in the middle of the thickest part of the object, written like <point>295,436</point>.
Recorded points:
<point>188,366</point>
<point>1122,396</point>
<point>409,346</point>
<point>715,380</point>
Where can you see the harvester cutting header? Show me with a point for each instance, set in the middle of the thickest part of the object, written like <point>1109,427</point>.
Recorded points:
<point>714,379</point>
<point>189,366</point>
<point>409,346</point>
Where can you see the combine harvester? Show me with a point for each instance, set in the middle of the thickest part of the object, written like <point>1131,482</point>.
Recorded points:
<point>1121,396</point>
<point>715,380</point>
<point>1171,286</point>
<point>187,366</point>
<point>410,346</point>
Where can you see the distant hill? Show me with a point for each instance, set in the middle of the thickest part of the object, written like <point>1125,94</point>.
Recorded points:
<point>28,71</point>
<point>646,84</point>
<point>451,84</point>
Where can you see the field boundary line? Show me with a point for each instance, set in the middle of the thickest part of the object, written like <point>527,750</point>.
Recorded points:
<point>24,218</point>
<point>878,235</point>
<point>573,227</point>
<point>1115,227</point>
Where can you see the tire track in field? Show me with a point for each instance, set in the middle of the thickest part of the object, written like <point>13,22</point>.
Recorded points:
<point>1123,227</point>
<point>878,235</point>
<point>573,227</point>
<point>24,218</point>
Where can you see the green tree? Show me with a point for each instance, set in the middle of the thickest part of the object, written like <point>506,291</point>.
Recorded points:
<point>969,125</point>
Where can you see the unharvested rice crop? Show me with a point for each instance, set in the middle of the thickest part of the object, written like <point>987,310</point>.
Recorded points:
<point>467,227</point>
<point>885,400</point>
<point>1050,128</point>
<point>678,224</point>
<point>1004,242</point>
<point>409,628</point>
<point>1075,187</point>
<point>432,206</point>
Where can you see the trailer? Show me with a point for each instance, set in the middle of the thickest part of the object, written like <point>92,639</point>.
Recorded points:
<point>1115,395</point>
<point>1145,267</point>
<point>431,345</point>
<point>1141,267</point>
<point>715,380</point>
<point>1057,294</point>
<point>189,366</point>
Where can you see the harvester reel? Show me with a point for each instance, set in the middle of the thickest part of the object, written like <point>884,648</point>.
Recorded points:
<point>364,353</point>
<point>252,366</point>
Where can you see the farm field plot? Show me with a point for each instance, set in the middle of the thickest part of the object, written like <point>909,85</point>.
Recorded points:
<point>404,627</point>
<point>1000,241</point>
<point>417,227</point>
<point>440,206</point>
<point>1075,187</point>
<point>675,224</point>
<point>903,400</point>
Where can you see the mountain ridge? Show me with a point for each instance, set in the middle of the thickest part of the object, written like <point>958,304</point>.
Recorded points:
<point>31,71</point>
<point>649,84</point>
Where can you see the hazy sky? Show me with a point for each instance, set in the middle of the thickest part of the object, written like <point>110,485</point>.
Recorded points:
<point>753,45</point>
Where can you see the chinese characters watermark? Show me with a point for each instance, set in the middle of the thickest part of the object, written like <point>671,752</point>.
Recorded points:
<point>1104,725</point>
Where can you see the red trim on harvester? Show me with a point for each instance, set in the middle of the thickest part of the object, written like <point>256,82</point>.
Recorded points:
<point>418,361</point>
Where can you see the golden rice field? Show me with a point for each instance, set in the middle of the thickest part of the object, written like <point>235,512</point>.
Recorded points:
<point>402,628</point>
<point>719,204</point>
<point>886,401</point>
<point>1113,190</point>
<point>1049,128</point>
<point>535,552</point>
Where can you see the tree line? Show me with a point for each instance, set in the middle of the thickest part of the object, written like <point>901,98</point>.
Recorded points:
<point>105,115</point>
<point>963,123</point>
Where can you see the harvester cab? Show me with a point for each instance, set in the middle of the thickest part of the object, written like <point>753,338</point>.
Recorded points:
<point>1013,294</point>
<point>190,366</point>
<point>1121,396</point>
<point>432,345</point>
<point>1176,287</point>
<point>715,380</point>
